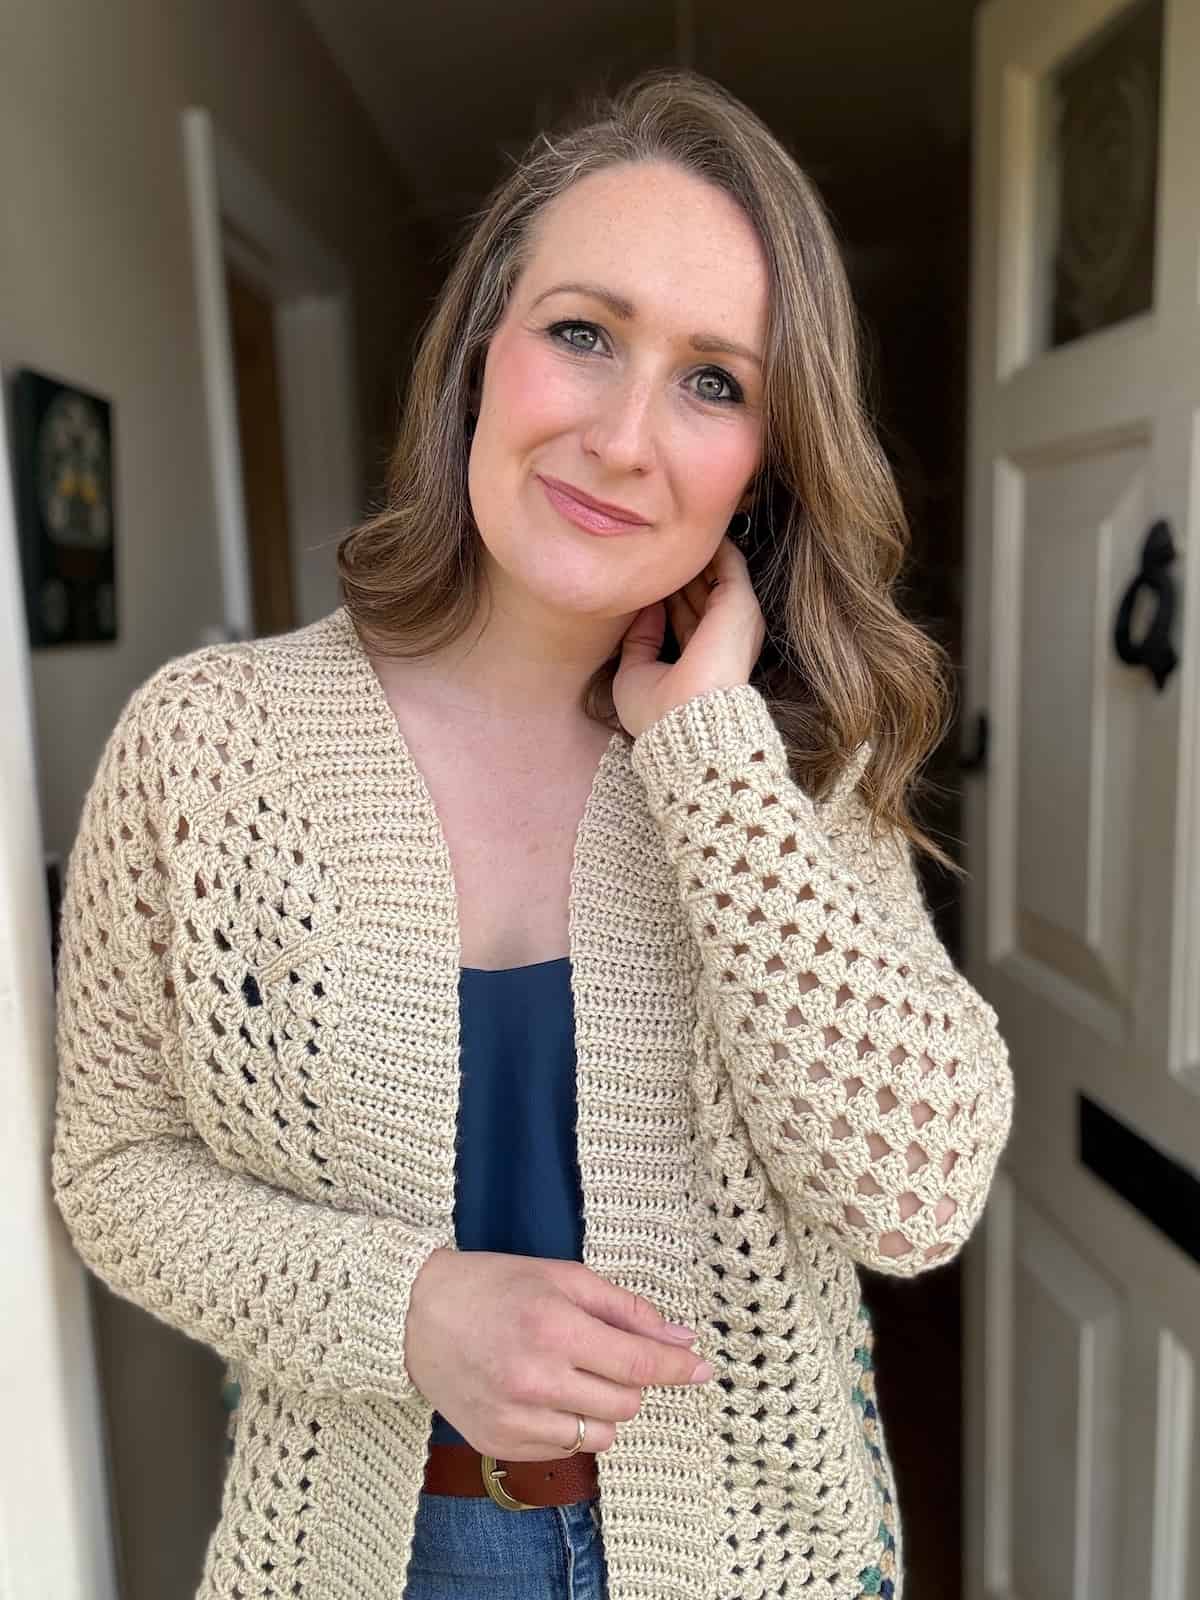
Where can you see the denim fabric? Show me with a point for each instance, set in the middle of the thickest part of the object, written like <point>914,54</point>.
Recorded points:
<point>466,1547</point>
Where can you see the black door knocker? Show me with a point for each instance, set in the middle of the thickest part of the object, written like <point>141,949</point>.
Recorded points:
<point>1154,651</point>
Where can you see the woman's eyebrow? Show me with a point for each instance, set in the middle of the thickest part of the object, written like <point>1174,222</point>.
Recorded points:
<point>705,343</point>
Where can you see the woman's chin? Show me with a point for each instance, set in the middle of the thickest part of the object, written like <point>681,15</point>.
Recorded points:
<point>573,589</point>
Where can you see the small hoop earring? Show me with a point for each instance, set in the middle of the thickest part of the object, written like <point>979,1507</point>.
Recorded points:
<point>735,532</point>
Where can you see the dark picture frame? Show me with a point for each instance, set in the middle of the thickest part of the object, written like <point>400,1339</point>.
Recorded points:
<point>63,481</point>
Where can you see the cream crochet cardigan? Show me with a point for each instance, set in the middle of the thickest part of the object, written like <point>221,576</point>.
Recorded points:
<point>778,1065</point>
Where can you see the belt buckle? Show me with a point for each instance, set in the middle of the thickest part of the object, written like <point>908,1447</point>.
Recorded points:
<point>491,1474</point>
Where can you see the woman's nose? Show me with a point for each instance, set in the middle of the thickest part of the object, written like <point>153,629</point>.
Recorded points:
<point>621,431</point>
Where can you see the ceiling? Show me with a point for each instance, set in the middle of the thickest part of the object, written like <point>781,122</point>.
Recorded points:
<point>860,91</point>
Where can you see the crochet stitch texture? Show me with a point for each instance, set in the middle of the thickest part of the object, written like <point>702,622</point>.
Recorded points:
<point>781,1077</point>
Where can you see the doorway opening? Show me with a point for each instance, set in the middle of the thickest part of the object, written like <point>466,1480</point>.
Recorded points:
<point>276,328</point>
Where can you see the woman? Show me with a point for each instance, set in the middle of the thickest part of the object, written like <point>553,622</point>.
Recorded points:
<point>485,857</point>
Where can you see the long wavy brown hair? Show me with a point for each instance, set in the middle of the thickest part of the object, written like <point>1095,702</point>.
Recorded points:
<point>828,534</point>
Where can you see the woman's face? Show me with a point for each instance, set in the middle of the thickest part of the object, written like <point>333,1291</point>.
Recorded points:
<point>626,368</point>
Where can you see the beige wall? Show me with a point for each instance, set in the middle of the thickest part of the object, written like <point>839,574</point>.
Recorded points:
<point>96,286</point>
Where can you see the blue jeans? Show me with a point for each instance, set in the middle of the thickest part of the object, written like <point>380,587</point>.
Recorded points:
<point>466,1547</point>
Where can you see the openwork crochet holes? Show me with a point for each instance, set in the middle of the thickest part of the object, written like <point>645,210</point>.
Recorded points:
<point>861,1088</point>
<point>781,1078</point>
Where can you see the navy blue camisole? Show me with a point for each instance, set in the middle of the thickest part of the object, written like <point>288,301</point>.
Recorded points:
<point>516,1176</point>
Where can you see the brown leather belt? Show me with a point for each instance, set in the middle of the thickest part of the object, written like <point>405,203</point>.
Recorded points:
<point>515,1485</point>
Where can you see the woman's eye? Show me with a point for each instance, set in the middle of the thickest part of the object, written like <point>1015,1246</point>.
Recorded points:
<point>713,384</point>
<point>579,335</point>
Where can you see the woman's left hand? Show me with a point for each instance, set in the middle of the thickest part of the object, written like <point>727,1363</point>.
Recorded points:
<point>720,631</point>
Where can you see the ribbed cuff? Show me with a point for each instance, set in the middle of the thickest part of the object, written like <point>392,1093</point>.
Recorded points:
<point>389,1258</point>
<point>719,728</point>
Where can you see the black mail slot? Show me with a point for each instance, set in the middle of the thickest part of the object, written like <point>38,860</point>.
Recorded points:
<point>1162,1189</point>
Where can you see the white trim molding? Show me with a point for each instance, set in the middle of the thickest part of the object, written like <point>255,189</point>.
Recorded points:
<point>237,217</point>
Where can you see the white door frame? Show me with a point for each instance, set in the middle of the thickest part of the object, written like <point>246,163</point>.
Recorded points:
<point>237,216</point>
<point>55,1520</point>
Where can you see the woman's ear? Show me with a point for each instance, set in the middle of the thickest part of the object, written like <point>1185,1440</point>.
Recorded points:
<point>753,495</point>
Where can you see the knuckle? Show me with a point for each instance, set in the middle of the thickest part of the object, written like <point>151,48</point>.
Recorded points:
<point>555,1393</point>
<point>525,1383</point>
<point>641,1368</point>
<point>555,1327</point>
<point>530,1318</point>
<point>541,1324</point>
<point>641,1310</point>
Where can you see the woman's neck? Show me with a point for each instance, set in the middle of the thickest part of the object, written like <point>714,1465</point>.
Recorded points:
<point>522,665</point>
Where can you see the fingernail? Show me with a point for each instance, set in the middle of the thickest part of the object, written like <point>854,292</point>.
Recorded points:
<point>678,1330</point>
<point>703,1372</point>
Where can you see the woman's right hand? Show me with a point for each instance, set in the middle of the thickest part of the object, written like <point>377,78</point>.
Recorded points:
<point>509,1349</point>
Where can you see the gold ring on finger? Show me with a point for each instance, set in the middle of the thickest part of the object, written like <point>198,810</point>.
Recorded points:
<point>580,1435</point>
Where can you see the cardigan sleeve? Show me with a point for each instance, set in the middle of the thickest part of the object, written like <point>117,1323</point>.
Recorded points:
<point>313,1295</point>
<point>871,1076</point>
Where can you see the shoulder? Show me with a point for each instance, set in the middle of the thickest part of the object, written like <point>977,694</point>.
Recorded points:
<point>219,691</point>
<point>218,714</point>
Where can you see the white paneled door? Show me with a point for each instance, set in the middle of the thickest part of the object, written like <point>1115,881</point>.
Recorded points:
<point>1083,1332</point>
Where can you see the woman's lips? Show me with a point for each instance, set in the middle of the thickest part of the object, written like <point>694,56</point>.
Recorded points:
<point>588,517</point>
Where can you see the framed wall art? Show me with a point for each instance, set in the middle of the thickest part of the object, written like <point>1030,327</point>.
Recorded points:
<point>63,472</point>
